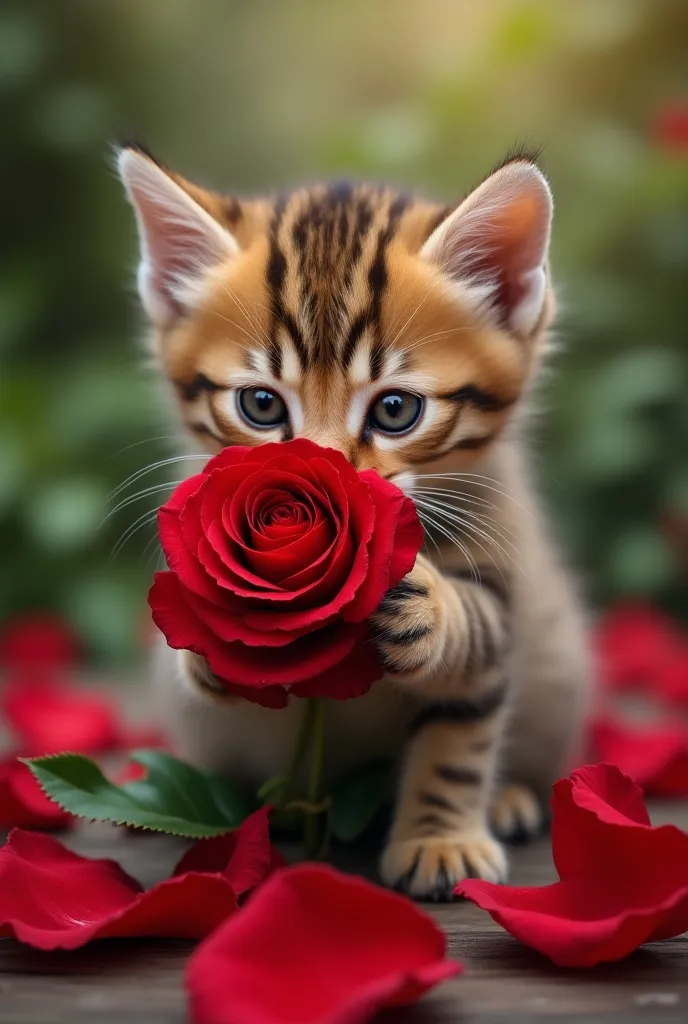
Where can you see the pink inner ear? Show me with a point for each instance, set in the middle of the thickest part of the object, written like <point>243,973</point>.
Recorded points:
<point>179,238</point>
<point>498,238</point>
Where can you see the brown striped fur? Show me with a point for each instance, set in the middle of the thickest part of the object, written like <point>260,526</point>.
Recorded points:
<point>331,296</point>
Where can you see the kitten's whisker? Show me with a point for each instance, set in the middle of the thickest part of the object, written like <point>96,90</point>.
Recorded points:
<point>151,468</point>
<point>146,519</point>
<point>426,339</point>
<point>468,478</point>
<point>154,553</point>
<point>473,531</point>
<point>453,516</point>
<point>451,492</point>
<point>451,510</point>
<point>248,334</point>
<point>430,537</point>
<point>146,440</point>
<point>401,330</point>
<point>433,523</point>
<point>465,532</point>
<point>140,494</point>
<point>253,324</point>
<point>451,536</point>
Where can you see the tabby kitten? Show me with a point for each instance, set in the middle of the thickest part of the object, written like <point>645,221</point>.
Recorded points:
<point>406,335</point>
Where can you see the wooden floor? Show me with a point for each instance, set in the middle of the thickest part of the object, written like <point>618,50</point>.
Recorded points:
<point>141,981</point>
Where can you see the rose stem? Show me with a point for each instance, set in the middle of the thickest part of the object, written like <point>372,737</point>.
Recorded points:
<point>317,753</point>
<point>303,741</point>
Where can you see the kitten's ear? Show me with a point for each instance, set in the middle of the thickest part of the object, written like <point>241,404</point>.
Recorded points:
<point>497,240</point>
<point>179,239</point>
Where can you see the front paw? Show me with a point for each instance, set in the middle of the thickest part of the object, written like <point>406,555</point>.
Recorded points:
<point>408,627</point>
<point>429,867</point>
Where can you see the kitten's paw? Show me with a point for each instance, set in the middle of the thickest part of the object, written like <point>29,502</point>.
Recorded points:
<point>515,814</point>
<point>429,867</point>
<point>408,627</point>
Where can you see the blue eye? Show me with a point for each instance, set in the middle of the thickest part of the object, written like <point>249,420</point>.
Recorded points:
<point>395,412</point>
<point>261,407</point>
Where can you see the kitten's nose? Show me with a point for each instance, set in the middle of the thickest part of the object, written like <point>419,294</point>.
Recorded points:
<point>328,439</point>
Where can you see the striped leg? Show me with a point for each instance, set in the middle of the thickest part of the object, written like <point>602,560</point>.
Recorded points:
<point>440,833</point>
<point>446,638</point>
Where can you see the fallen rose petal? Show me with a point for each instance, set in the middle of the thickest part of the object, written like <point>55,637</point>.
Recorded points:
<point>622,882</point>
<point>38,641</point>
<point>52,898</point>
<point>245,856</point>
<point>634,643</point>
<point>672,678</point>
<point>656,757</point>
<point>49,717</point>
<point>136,737</point>
<point>313,946</point>
<point>23,803</point>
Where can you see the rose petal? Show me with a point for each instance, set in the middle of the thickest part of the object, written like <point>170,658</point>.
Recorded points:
<point>623,882</point>
<point>399,536</point>
<point>50,717</point>
<point>38,641</point>
<point>23,803</point>
<point>185,564</point>
<point>352,677</point>
<point>672,678</point>
<point>239,663</point>
<point>52,898</point>
<point>634,642</point>
<point>656,757</point>
<point>576,923</point>
<point>244,857</point>
<point>335,949</point>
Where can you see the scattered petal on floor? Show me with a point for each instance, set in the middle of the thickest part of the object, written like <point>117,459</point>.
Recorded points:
<point>656,757</point>
<point>622,882</point>
<point>34,642</point>
<point>314,946</point>
<point>49,717</point>
<point>23,803</point>
<point>52,898</point>
<point>245,857</point>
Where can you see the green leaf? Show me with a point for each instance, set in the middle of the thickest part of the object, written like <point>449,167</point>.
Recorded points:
<point>174,797</point>
<point>357,798</point>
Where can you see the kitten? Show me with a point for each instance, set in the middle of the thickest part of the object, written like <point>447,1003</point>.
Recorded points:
<point>406,335</point>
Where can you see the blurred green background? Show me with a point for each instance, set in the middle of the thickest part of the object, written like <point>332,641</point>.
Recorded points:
<point>246,96</point>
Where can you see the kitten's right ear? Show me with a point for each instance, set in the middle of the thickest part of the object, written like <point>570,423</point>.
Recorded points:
<point>179,240</point>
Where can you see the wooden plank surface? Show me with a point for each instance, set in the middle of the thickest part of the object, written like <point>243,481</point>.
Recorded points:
<point>142,981</point>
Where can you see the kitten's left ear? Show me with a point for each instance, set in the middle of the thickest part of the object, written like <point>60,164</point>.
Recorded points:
<point>497,240</point>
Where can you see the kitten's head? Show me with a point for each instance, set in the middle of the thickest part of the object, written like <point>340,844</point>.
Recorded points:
<point>392,329</point>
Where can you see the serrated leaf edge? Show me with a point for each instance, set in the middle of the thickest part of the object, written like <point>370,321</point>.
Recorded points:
<point>44,758</point>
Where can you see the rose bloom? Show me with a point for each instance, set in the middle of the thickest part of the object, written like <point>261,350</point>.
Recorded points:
<point>277,555</point>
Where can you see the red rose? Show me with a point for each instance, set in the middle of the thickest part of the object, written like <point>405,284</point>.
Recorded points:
<point>277,556</point>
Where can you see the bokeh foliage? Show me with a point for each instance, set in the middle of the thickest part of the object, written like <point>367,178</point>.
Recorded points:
<point>428,93</point>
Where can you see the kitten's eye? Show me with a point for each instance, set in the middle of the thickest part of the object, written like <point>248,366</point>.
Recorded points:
<point>261,407</point>
<point>395,412</point>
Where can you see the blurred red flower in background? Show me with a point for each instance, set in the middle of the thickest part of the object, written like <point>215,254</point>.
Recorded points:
<point>670,126</point>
